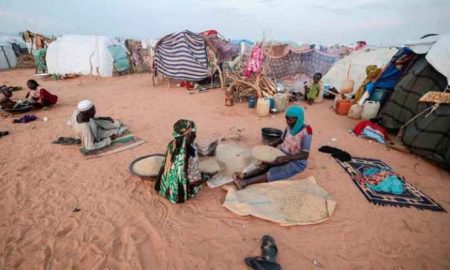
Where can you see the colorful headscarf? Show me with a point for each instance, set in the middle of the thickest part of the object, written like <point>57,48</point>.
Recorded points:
<point>173,181</point>
<point>299,113</point>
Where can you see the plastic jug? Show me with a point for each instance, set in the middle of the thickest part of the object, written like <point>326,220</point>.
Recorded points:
<point>263,107</point>
<point>370,110</point>
<point>280,102</point>
<point>355,111</point>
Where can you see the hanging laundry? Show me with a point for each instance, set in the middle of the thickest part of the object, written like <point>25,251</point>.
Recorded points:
<point>255,62</point>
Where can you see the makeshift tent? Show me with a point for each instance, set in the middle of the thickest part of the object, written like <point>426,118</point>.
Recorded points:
<point>359,60</point>
<point>86,55</point>
<point>142,53</point>
<point>425,130</point>
<point>284,60</point>
<point>223,50</point>
<point>8,58</point>
<point>182,56</point>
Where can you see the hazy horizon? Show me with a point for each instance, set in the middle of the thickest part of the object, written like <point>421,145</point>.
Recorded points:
<point>320,21</point>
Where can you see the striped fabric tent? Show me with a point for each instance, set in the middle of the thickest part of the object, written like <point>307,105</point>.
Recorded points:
<point>182,56</point>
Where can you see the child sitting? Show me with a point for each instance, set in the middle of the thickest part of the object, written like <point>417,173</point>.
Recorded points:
<point>39,96</point>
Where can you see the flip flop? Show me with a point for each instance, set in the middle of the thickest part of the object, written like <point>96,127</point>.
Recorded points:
<point>259,263</point>
<point>269,249</point>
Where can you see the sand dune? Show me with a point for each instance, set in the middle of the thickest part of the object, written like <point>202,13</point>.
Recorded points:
<point>124,224</point>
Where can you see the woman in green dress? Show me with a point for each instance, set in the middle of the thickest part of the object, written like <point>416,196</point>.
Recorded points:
<point>180,177</point>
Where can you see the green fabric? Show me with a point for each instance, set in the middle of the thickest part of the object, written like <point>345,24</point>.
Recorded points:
<point>174,178</point>
<point>173,183</point>
<point>39,59</point>
<point>121,62</point>
<point>313,91</point>
<point>299,113</point>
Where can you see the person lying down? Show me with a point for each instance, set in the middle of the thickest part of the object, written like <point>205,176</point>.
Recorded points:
<point>94,132</point>
<point>295,143</point>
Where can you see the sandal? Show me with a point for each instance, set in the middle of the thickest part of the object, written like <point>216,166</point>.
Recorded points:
<point>269,249</point>
<point>259,263</point>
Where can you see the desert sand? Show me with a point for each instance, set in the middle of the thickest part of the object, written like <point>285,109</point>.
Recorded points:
<point>124,224</point>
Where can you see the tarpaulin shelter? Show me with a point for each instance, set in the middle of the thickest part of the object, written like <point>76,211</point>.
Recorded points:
<point>357,63</point>
<point>86,55</point>
<point>425,127</point>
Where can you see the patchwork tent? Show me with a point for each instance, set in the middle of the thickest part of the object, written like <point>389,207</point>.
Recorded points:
<point>182,56</point>
<point>285,60</point>
<point>86,55</point>
<point>141,54</point>
<point>425,129</point>
<point>359,60</point>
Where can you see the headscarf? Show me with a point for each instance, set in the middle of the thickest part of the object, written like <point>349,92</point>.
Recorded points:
<point>173,182</point>
<point>299,113</point>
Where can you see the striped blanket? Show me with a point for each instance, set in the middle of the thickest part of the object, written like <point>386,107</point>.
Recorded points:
<point>182,56</point>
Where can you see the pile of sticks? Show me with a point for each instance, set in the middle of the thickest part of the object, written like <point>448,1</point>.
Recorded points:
<point>258,85</point>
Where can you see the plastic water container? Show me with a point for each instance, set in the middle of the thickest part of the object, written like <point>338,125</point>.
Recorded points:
<point>370,110</point>
<point>252,102</point>
<point>280,102</point>
<point>355,111</point>
<point>263,107</point>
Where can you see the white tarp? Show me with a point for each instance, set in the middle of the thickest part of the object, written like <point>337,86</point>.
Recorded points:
<point>422,46</point>
<point>359,61</point>
<point>85,55</point>
<point>7,57</point>
<point>439,56</point>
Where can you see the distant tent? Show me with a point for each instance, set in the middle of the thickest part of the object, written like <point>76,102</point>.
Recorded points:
<point>182,56</point>
<point>359,60</point>
<point>8,58</point>
<point>427,134</point>
<point>86,55</point>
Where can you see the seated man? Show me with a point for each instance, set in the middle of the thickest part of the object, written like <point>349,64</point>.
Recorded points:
<point>295,143</point>
<point>94,132</point>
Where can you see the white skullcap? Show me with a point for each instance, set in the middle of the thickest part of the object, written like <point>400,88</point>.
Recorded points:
<point>84,105</point>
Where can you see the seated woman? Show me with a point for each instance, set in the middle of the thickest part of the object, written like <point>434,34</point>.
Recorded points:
<point>295,143</point>
<point>5,99</point>
<point>39,96</point>
<point>94,132</point>
<point>180,178</point>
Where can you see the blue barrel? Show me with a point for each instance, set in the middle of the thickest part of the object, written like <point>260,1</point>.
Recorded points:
<point>252,102</point>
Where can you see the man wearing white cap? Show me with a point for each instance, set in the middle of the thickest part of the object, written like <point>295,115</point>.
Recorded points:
<point>94,132</point>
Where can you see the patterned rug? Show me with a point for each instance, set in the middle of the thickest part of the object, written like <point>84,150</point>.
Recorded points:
<point>411,198</point>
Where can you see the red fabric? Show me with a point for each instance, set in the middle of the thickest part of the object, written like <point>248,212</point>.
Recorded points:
<point>187,84</point>
<point>361,125</point>
<point>211,32</point>
<point>309,129</point>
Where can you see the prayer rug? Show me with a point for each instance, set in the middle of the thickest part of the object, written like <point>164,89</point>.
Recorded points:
<point>119,144</point>
<point>412,197</point>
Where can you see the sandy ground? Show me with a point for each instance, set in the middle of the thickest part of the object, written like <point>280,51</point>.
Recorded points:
<point>124,224</point>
